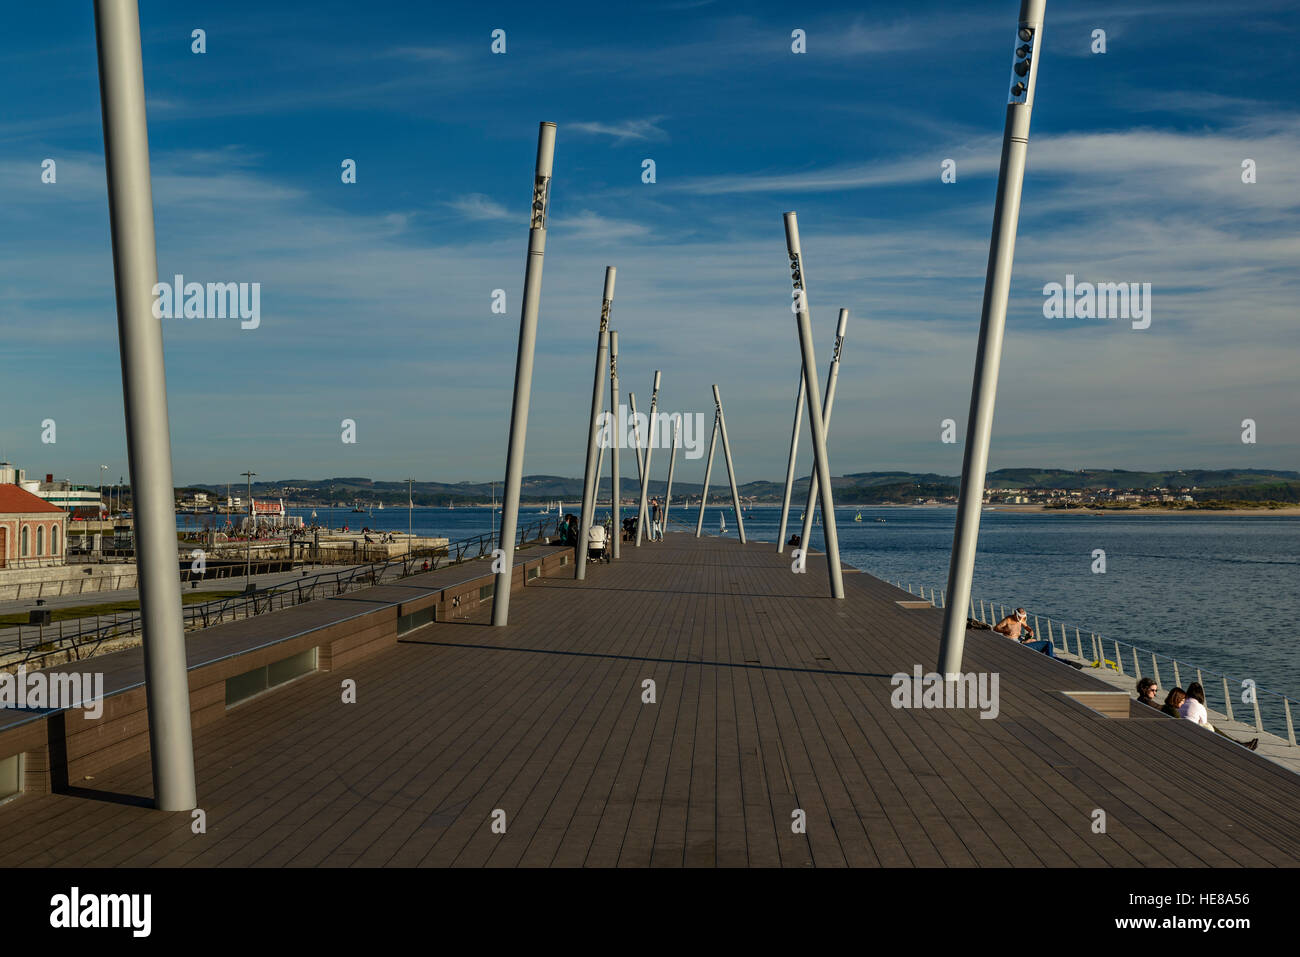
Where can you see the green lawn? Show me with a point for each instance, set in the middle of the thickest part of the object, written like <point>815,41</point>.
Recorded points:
<point>109,607</point>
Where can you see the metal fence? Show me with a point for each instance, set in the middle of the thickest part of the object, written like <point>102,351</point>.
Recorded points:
<point>82,637</point>
<point>1241,698</point>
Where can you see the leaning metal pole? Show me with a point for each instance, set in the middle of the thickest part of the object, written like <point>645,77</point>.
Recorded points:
<point>591,477</point>
<point>816,425</point>
<point>988,354</point>
<point>643,514</point>
<point>731,472</point>
<point>828,404</point>
<point>600,459</point>
<point>523,373</point>
<point>672,461</point>
<point>615,441</point>
<point>144,394</point>
<point>789,469</point>
<point>636,437</point>
<point>708,469</point>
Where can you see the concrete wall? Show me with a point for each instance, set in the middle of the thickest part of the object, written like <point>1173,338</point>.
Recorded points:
<point>18,583</point>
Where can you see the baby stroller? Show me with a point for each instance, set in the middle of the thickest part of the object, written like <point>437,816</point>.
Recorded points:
<point>597,544</point>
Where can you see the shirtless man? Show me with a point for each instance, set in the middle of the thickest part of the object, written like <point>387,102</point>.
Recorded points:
<point>1013,624</point>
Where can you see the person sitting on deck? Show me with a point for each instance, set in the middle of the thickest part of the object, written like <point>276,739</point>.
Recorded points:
<point>1193,709</point>
<point>1014,624</point>
<point>570,530</point>
<point>1173,701</point>
<point>1147,689</point>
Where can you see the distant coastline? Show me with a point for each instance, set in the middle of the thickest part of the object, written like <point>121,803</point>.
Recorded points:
<point>1154,510</point>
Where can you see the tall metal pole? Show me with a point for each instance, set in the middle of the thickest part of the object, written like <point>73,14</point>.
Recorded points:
<point>144,393</point>
<point>643,513</point>
<point>731,472</point>
<point>591,474</point>
<point>636,432</point>
<point>617,530</point>
<point>410,507</point>
<point>600,462</point>
<point>708,469</point>
<point>988,354</point>
<point>803,320</point>
<point>248,535</point>
<point>805,534</point>
<point>789,469</point>
<point>524,372</point>
<point>672,461</point>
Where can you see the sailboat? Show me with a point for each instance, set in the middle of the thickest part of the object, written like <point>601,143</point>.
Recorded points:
<point>858,517</point>
<point>722,523</point>
<point>381,506</point>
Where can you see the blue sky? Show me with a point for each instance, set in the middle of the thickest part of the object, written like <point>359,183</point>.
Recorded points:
<point>376,297</point>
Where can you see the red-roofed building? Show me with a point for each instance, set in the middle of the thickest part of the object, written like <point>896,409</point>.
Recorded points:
<point>32,531</point>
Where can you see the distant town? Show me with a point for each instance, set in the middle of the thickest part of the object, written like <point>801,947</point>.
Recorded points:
<point>1043,488</point>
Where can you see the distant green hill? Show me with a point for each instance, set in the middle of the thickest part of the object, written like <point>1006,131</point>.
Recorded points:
<point>855,488</point>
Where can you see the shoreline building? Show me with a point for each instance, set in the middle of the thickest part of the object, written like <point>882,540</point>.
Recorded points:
<point>33,532</point>
<point>79,501</point>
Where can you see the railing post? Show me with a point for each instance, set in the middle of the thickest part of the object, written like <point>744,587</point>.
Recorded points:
<point>1078,640</point>
<point>1290,728</point>
<point>1119,662</point>
<point>1155,668</point>
<point>1178,680</point>
<point>524,370</point>
<point>1259,722</point>
<point>1137,668</point>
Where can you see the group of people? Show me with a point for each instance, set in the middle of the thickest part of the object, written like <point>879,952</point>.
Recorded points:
<point>1189,704</point>
<point>570,527</point>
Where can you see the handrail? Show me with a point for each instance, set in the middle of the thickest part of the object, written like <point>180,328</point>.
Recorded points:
<point>206,614</point>
<point>1094,651</point>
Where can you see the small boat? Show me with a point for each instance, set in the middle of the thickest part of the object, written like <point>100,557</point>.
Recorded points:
<point>858,517</point>
<point>880,520</point>
<point>722,523</point>
<point>381,506</point>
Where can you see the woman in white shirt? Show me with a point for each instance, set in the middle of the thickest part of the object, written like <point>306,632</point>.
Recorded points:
<point>1193,709</point>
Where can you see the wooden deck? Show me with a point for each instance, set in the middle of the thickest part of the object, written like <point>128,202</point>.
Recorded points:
<point>770,698</point>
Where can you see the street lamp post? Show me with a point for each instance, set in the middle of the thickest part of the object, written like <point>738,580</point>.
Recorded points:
<point>102,470</point>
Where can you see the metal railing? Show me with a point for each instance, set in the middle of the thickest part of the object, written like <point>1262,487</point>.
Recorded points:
<point>75,635</point>
<point>1268,711</point>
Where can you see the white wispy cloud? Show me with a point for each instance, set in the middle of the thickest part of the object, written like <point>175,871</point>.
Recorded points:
<point>478,206</point>
<point>644,129</point>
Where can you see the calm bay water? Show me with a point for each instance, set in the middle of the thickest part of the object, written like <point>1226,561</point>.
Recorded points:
<point>1215,591</point>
